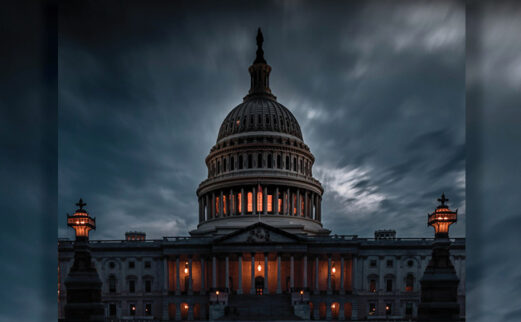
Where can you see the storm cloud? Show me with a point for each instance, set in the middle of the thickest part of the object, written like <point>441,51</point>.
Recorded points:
<point>378,90</point>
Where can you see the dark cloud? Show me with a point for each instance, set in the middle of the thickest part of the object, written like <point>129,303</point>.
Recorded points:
<point>377,89</point>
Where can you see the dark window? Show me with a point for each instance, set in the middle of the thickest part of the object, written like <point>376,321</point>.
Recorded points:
<point>112,284</point>
<point>270,160</point>
<point>112,309</point>
<point>267,119</point>
<point>287,163</point>
<point>372,285</point>
<point>372,308</point>
<point>259,160</point>
<point>240,162</point>
<point>408,309</point>
<point>389,263</point>
<point>279,164</point>
<point>232,163</point>
<point>388,308</point>
<point>410,263</point>
<point>250,161</point>
<point>295,164</point>
<point>112,264</point>
<point>148,264</point>
<point>224,165</point>
<point>148,309</point>
<point>301,167</point>
<point>131,264</point>
<point>372,263</point>
<point>131,286</point>
<point>148,286</point>
<point>132,309</point>
<point>389,286</point>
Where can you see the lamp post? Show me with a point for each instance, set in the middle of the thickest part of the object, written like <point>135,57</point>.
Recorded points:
<point>442,218</point>
<point>81,222</point>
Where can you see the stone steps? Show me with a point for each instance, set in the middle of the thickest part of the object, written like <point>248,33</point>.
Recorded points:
<point>260,308</point>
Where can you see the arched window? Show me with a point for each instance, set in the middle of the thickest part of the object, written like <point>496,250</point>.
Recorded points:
<point>270,160</point>
<point>279,164</point>
<point>301,166</point>
<point>259,160</point>
<point>249,196</point>
<point>409,282</point>
<point>224,165</point>
<point>372,283</point>
<point>240,162</point>
<point>287,162</point>
<point>232,163</point>
<point>250,161</point>
<point>295,164</point>
<point>218,167</point>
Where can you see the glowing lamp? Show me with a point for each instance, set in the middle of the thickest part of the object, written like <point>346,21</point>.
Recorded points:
<point>333,305</point>
<point>442,218</point>
<point>259,267</point>
<point>333,270</point>
<point>186,306</point>
<point>81,222</point>
<point>216,292</point>
<point>301,292</point>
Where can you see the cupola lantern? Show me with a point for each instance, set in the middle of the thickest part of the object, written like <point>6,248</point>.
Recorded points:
<point>81,222</point>
<point>442,218</point>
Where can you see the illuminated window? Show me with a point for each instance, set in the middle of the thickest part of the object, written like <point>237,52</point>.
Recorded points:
<point>224,205</point>
<point>280,205</point>
<point>270,203</point>
<point>372,285</point>
<point>259,200</point>
<point>132,309</point>
<point>239,201</point>
<point>250,202</point>
<point>301,205</point>
<point>217,205</point>
<point>409,283</point>
<point>372,308</point>
<point>294,204</point>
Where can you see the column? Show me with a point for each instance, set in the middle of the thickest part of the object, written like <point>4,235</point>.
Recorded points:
<point>221,205</point>
<point>276,201</point>
<point>354,274</point>
<point>329,291</point>
<point>305,277</point>
<point>208,208</point>
<point>291,272</point>
<point>342,290</point>
<point>177,279</point>
<point>243,204</point>
<point>203,276</point>
<point>227,273</point>
<point>315,202</point>
<point>265,200</point>
<point>306,204</point>
<point>328,311</point>
<point>165,275</point>
<point>214,272</point>
<point>178,311</point>
<point>381,273</point>
<point>341,314</point>
<point>288,203</point>
<point>252,289</point>
<point>200,210</point>
<point>190,312</point>
<point>213,205</point>
<point>319,208</point>
<point>266,290</point>
<point>239,286</point>
<point>292,203</point>
<point>298,202</point>
<point>316,276</point>
<point>190,290</point>
<point>254,202</point>
<point>231,207</point>
<point>279,273</point>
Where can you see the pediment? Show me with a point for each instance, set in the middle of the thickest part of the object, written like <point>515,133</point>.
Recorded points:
<point>258,233</point>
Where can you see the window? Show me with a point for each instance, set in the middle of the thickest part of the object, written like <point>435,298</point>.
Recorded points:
<point>389,263</point>
<point>112,265</point>
<point>132,309</point>
<point>409,283</point>
<point>218,167</point>
<point>131,286</point>
<point>250,161</point>
<point>259,160</point>
<point>250,202</point>
<point>148,264</point>
<point>112,309</point>
<point>410,263</point>
<point>148,309</point>
<point>372,285</point>
<point>270,160</point>
<point>389,285</point>
<point>279,164</point>
<point>112,284</point>
<point>388,308</point>
<point>295,164</point>
<point>408,309</point>
<point>148,286</point>
<point>372,263</point>
<point>240,162</point>
<point>232,163</point>
<point>224,165</point>
<point>131,264</point>
<point>287,163</point>
<point>372,308</point>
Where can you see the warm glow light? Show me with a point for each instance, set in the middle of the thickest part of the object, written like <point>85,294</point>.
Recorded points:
<point>186,270</point>
<point>333,270</point>
<point>216,292</point>
<point>301,292</point>
<point>333,305</point>
<point>270,203</point>
<point>250,202</point>
<point>259,201</point>
<point>186,306</point>
<point>133,308</point>
<point>259,267</point>
<point>239,199</point>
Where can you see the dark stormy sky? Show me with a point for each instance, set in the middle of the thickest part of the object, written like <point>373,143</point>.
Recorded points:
<point>378,90</point>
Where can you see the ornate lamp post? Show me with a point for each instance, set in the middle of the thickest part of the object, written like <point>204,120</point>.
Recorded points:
<point>439,284</point>
<point>83,284</point>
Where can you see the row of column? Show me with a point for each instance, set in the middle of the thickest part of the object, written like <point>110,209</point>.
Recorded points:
<point>260,200</point>
<point>266,272</point>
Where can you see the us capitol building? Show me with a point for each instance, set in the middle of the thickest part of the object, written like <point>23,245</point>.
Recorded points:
<point>260,251</point>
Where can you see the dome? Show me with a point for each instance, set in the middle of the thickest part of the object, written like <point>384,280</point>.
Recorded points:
<point>259,114</point>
